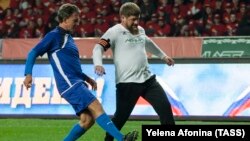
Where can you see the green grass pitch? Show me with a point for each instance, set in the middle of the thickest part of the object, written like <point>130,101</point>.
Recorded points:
<point>56,129</point>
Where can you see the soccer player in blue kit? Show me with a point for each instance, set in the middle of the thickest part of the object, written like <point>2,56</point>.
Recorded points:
<point>70,80</point>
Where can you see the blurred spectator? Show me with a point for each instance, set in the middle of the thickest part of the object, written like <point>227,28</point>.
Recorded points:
<point>167,4</point>
<point>7,19</point>
<point>163,28</point>
<point>235,5</point>
<point>194,9</point>
<point>23,22</point>
<point>24,4</point>
<point>207,27</point>
<point>241,12</point>
<point>217,29</point>
<point>180,27</point>
<point>207,12</point>
<point>101,26</point>
<point>147,9</point>
<point>28,31</point>
<point>39,28</point>
<point>13,30</point>
<point>52,23</point>
<point>174,14</point>
<point>227,12</point>
<point>102,7</point>
<point>17,15</point>
<point>193,29</point>
<point>85,28</point>
<point>2,30</point>
<point>232,25</point>
<point>89,13</point>
<point>244,25</point>
<point>183,9</point>
<point>115,7</point>
<point>113,16</point>
<point>152,25</point>
<point>218,7</point>
<point>115,20</point>
<point>162,13</point>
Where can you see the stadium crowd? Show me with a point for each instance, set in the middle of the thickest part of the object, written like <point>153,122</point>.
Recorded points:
<point>169,18</point>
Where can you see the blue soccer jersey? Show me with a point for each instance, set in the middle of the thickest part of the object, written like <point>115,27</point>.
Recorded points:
<point>64,58</point>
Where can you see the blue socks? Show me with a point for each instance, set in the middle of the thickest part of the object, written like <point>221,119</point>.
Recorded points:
<point>104,121</point>
<point>76,132</point>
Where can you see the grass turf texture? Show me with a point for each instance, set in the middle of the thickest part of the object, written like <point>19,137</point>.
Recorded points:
<point>55,130</point>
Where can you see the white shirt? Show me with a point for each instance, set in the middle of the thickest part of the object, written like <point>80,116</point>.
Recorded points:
<point>129,53</point>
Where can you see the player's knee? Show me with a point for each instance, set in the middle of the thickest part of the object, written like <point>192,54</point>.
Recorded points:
<point>96,108</point>
<point>87,121</point>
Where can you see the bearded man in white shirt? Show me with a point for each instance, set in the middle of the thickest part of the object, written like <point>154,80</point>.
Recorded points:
<point>129,45</point>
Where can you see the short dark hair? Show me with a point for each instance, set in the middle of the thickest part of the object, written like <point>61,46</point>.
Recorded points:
<point>66,10</point>
<point>130,9</point>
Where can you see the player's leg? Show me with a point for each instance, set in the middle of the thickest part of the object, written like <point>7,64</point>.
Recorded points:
<point>127,95</point>
<point>104,122</point>
<point>78,97</point>
<point>157,97</point>
<point>88,101</point>
<point>81,99</point>
<point>86,121</point>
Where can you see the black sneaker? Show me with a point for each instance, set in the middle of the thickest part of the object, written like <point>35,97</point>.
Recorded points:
<point>131,136</point>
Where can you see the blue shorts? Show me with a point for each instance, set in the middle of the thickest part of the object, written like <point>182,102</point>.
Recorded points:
<point>79,96</point>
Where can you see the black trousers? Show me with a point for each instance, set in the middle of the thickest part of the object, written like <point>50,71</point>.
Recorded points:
<point>127,95</point>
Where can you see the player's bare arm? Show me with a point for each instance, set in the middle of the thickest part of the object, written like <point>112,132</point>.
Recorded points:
<point>92,82</point>
<point>169,60</point>
<point>28,81</point>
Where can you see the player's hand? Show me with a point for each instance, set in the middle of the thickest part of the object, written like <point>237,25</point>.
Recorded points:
<point>99,70</point>
<point>169,60</point>
<point>93,83</point>
<point>27,81</point>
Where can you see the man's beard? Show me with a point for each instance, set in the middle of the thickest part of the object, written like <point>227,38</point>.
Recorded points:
<point>134,29</point>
